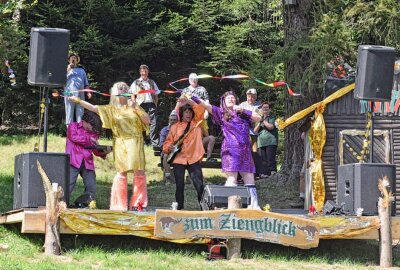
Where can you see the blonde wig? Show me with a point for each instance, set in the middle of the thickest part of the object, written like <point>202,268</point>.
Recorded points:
<point>116,89</point>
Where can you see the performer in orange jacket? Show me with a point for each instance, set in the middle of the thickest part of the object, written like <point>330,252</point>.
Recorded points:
<point>192,150</point>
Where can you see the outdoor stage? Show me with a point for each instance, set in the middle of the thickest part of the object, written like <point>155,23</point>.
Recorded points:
<point>142,224</point>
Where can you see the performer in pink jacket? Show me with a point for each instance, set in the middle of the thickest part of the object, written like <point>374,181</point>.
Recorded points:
<point>80,137</point>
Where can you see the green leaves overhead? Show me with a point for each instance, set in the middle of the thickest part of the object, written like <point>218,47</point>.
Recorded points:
<point>175,38</point>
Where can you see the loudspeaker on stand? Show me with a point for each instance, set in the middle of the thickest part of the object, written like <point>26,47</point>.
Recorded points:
<point>48,55</point>
<point>375,67</point>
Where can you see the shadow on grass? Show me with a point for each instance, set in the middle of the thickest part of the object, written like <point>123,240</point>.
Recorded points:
<point>329,251</point>
<point>126,243</point>
<point>364,252</point>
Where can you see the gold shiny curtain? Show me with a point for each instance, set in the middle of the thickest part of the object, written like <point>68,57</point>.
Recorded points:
<point>317,136</point>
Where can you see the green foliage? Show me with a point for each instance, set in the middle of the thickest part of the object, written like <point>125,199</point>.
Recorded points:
<point>178,37</point>
<point>377,22</point>
<point>336,29</point>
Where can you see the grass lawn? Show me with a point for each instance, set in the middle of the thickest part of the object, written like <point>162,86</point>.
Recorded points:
<point>23,251</point>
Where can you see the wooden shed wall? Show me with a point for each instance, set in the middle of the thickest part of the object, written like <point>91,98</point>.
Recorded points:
<point>345,114</point>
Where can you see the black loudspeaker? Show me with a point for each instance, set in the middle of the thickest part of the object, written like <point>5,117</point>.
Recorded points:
<point>358,186</point>
<point>217,196</point>
<point>375,67</point>
<point>28,185</point>
<point>48,55</point>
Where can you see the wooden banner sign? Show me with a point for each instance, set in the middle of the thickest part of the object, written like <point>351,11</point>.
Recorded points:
<point>241,223</point>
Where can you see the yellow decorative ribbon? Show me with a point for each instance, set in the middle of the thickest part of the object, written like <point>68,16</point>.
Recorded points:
<point>317,140</point>
<point>301,114</point>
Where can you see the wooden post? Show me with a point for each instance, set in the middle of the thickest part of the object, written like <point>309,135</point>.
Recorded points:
<point>234,244</point>
<point>384,211</point>
<point>54,193</point>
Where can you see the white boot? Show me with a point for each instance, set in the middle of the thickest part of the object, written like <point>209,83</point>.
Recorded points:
<point>253,197</point>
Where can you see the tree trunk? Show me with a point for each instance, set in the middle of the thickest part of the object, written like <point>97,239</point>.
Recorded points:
<point>385,241</point>
<point>297,25</point>
<point>384,209</point>
<point>52,245</point>
<point>234,244</point>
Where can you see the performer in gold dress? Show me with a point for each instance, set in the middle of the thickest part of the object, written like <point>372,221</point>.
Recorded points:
<point>127,121</point>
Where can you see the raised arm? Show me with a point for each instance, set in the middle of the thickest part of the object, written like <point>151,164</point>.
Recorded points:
<point>253,115</point>
<point>202,103</point>
<point>144,117</point>
<point>84,104</point>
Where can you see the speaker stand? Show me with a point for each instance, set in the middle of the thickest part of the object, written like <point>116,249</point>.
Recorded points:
<point>371,135</point>
<point>45,90</point>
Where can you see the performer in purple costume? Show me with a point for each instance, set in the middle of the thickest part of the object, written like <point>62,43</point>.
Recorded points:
<point>236,156</point>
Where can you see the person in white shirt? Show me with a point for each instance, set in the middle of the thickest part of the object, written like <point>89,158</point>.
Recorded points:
<point>253,104</point>
<point>148,101</point>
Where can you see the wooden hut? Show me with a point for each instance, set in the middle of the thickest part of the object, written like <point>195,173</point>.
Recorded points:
<point>345,122</point>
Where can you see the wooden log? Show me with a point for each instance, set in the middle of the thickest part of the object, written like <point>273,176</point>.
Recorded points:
<point>54,193</point>
<point>384,211</point>
<point>234,244</point>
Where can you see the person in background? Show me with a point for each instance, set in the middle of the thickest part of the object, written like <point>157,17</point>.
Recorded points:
<point>148,101</point>
<point>267,140</point>
<point>168,173</point>
<point>127,121</point>
<point>253,104</point>
<point>79,136</point>
<point>192,150</point>
<point>208,142</point>
<point>76,80</point>
<point>235,122</point>
<point>194,89</point>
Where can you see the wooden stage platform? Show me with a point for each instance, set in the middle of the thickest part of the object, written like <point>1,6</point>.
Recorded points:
<point>107,222</point>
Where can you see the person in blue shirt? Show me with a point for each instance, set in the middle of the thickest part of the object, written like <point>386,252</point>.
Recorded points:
<point>76,80</point>
<point>168,174</point>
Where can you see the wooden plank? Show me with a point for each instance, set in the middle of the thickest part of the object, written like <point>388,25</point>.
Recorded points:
<point>12,217</point>
<point>34,221</point>
<point>328,157</point>
<point>272,227</point>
